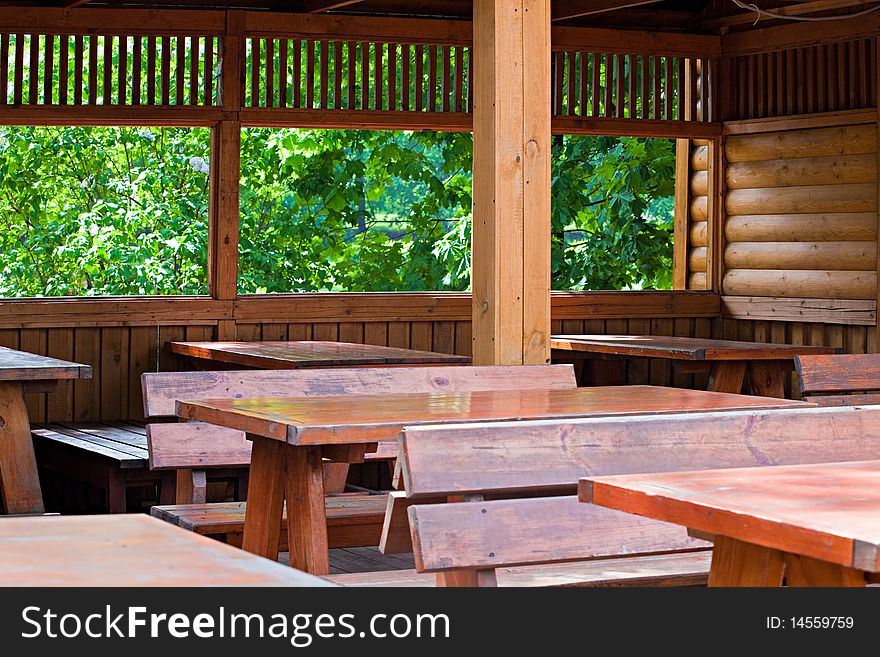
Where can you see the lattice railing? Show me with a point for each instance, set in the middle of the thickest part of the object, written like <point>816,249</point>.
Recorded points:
<point>610,85</point>
<point>351,75</point>
<point>821,78</point>
<point>108,69</point>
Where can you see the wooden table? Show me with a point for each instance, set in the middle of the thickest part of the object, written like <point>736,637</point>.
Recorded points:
<point>20,373</point>
<point>816,525</point>
<point>291,435</point>
<point>726,361</point>
<point>128,550</point>
<point>309,353</point>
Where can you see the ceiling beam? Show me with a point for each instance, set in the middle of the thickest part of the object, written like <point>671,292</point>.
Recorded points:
<point>563,10</point>
<point>799,9</point>
<point>318,6</point>
<point>70,4</point>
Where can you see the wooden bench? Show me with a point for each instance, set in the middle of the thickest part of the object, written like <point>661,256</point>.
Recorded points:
<point>109,458</point>
<point>840,380</point>
<point>192,449</point>
<point>520,520</point>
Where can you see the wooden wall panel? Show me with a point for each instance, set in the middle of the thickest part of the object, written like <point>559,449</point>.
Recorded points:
<point>801,213</point>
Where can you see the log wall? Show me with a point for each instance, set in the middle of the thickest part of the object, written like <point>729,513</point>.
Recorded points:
<point>801,213</point>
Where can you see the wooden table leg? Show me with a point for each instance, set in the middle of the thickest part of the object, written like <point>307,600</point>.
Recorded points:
<point>804,571</point>
<point>767,377</point>
<point>735,563</point>
<point>18,467</point>
<point>306,515</point>
<point>262,521</point>
<point>727,376</point>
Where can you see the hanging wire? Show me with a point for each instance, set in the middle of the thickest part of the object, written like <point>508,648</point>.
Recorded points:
<point>813,19</point>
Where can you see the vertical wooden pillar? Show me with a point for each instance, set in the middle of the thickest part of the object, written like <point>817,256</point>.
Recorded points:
<point>511,230</point>
<point>223,205</point>
<point>681,221</point>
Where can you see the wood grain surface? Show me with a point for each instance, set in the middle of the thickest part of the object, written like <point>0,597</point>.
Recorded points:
<point>309,353</point>
<point>829,512</point>
<point>370,418</point>
<point>128,550</point>
<point>23,366</point>
<point>682,348</point>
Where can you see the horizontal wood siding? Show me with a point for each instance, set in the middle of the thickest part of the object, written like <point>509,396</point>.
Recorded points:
<point>801,213</point>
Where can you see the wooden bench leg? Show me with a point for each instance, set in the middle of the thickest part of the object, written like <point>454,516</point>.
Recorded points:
<point>735,563</point>
<point>306,515</point>
<point>262,521</point>
<point>767,378</point>
<point>192,486</point>
<point>467,578</point>
<point>804,571</point>
<point>18,467</point>
<point>727,376</point>
<point>116,499</point>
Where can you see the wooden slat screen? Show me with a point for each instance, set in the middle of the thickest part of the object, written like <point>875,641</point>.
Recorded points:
<point>353,75</point>
<point>108,69</point>
<point>821,78</point>
<point>632,86</point>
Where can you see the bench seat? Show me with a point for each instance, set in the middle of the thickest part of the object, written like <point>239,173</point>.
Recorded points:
<point>110,457</point>
<point>678,569</point>
<point>352,520</point>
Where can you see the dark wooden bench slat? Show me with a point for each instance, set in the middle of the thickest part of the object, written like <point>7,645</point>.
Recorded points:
<point>124,460</point>
<point>108,432</point>
<point>96,438</point>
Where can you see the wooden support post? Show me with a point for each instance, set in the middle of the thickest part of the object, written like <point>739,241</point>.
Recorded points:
<point>715,226</point>
<point>223,210</point>
<point>223,203</point>
<point>681,224</point>
<point>511,233</point>
<point>876,346</point>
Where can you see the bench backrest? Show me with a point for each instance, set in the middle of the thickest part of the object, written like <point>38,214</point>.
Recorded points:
<point>528,462</point>
<point>202,445</point>
<point>839,380</point>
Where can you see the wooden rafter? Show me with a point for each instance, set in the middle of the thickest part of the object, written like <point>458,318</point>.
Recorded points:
<point>70,4</point>
<point>318,6</point>
<point>797,9</point>
<point>563,10</point>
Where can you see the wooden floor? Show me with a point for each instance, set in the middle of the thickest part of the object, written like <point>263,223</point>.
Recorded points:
<point>363,560</point>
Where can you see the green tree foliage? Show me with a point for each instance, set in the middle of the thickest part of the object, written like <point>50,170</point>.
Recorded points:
<point>103,211</point>
<point>117,211</point>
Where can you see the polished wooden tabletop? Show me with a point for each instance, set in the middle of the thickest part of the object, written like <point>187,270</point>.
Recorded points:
<point>369,418</point>
<point>828,511</point>
<point>308,353</point>
<point>682,348</point>
<point>128,550</point>
<point>23,366</point>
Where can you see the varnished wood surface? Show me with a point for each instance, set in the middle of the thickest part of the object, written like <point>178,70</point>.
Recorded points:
<point>682,348</point>
<point>369,418</point>
<point>840,373</point>
<point>23,366</point>
<point>829,512</point>
<point>309,353</point>
<point>128,550</point>
<point>553,455</point>
<point>163,389</point>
